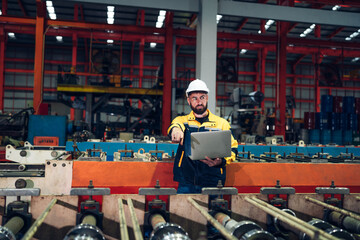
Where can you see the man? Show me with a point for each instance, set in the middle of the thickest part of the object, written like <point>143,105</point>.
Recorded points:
<point>194,175</point>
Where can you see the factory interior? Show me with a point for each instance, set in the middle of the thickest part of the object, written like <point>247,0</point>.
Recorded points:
<point>88,90</point>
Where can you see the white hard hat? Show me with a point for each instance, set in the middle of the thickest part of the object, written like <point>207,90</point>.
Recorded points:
<point>197,86</point>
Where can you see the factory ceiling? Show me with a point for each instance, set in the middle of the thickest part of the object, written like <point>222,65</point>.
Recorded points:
<point>248,33</point>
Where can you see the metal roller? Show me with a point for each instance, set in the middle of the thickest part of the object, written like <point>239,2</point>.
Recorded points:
<point>245,230</point>
<point>11,228</point>
<point>85,231</point>
<point>316,223</point>
<point>349,223</point>
<point>166,231</point>
<point>340,233</point>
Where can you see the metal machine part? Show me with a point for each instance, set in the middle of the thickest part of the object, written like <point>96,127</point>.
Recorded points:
<point>22,170</point>
<point>85,231</point>
<point>90,209</point>
<point>343,221</point>
<point>163,230</point>
<point>30,154</point>
<point>11,228</point>
<point>332,190</point>
<point>327,227</point>
<point>282,227</point>
<point>277,190</point>
<point>6,234</point>
<point>246,230</point>
<point>340,233</point>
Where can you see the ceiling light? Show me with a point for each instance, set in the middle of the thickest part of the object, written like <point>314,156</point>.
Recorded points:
<point>336,7</point>
<point>49,4</point>
<point>259,32</point>
<point>218,18</point>
<point>243,51</point>
<point>308,30</point>
<point>0,12</point>
<point>110,14</point>
<point>355,59</point>
<point>152,44</point>
<point>159,24</point>
<point>52,16</point>
<point>51,10</point>
<point>110,8</point>
<point>160,18</point>
<point>59,38</point>
<point>354,34</point>
<point>110,41</point>
<point>11,35</point>
<point>162,12</point>
<point>110,21</point>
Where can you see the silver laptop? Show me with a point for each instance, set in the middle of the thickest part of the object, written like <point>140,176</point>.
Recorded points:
<point>214,144</point>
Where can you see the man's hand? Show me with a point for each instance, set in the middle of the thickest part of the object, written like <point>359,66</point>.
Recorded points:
<point>177,135</point>
<point>211,162</point>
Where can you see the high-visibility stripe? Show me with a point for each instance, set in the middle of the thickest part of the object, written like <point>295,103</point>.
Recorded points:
<point>181,158</point>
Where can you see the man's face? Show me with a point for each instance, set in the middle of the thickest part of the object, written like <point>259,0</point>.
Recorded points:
<point>198,102</point>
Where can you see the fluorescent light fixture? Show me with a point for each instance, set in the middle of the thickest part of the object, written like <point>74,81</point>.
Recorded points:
<point>51,10</point>
<point>11,35</point>
<point>110,8</point>
<point>218,18</point>
<point>160,18</point>
<point>308,30</point>
<point>159,24</point>
<point>336,7</point>
<point>110,41</point>
<point>243,51</point>
<point>152,44</point>
<point>52,16</point>
<point>353,35</point>
<point>162,13</point>
<point>59,38</point>
<point>355,59</point>
<point>110,21</point>
<point>110,14</point>
<point>0,12</point>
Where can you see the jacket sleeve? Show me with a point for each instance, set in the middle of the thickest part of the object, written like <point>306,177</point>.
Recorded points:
<point>177,122</point>
<point>234,145</point>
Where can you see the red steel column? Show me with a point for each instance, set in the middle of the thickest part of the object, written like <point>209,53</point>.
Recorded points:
<point>168,51</point>
<point>39,55</point>
<point>4,7</point>
<point>2,68</point>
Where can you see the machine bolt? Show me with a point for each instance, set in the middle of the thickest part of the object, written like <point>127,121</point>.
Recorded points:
<point>23,153</point>
<point>64,165</point>
<point>54,164</point>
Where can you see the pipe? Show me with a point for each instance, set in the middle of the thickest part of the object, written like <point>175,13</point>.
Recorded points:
<point>32,230</point>
<point>349,223</point>
<point>134,220</point>
<point>124,235</point>
<point>213,221</point>
<point>89,219</point>
<point>11,228</point>
<point>292,221</point>
<point>166,231</point>
<point>85,231</point>
<point>245,230</point>
<point>331,207</point>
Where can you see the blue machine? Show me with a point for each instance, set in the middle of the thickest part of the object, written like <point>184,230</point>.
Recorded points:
<point>47,126</point>
<point>257,150</point>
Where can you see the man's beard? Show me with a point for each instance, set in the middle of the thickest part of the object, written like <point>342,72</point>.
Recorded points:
<point>199,110</point>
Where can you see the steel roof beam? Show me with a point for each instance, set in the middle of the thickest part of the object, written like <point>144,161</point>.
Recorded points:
<point>251,10</point>
<point>289,14</point>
